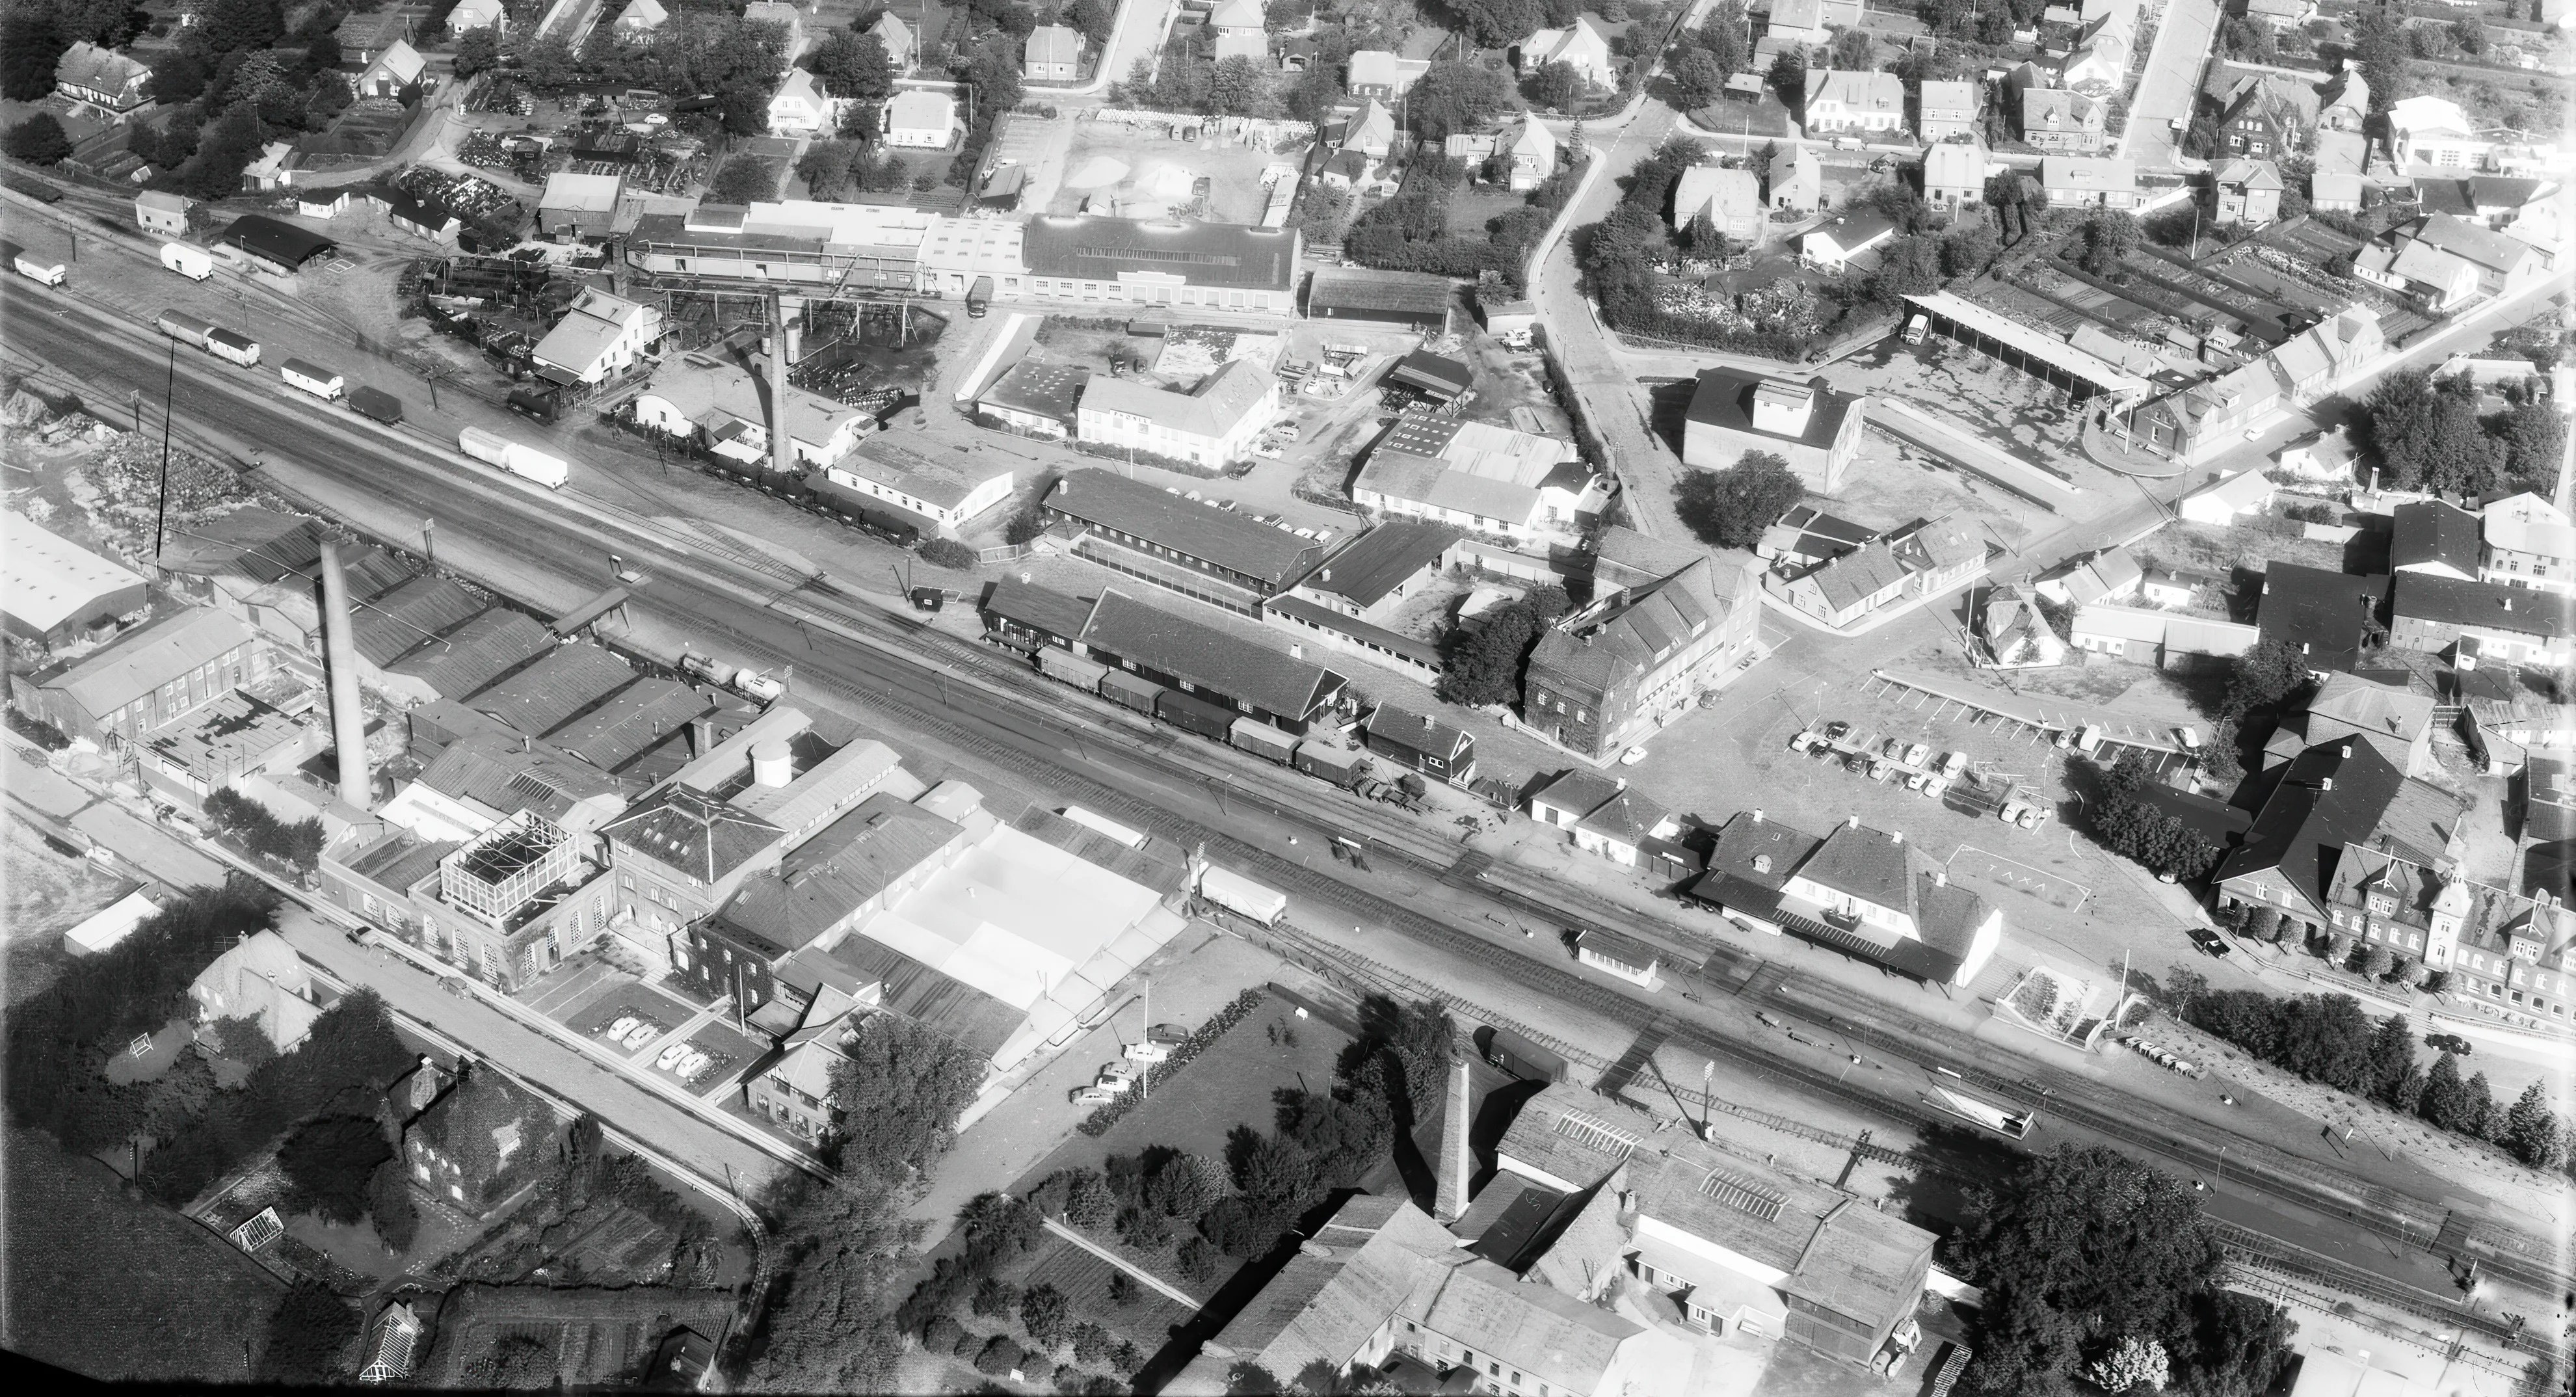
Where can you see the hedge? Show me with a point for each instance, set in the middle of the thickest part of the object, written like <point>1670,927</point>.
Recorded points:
<point>1099,1121</point>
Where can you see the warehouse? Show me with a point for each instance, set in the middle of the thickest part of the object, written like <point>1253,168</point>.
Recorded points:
<point>57,587</point>
<point>1387,298</point>
<point>275,245</point>
<point>1163,263</point>
<point>1218,542</point>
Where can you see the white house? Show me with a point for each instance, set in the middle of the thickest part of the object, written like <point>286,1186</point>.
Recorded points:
<point>798,107</point>
<point>897,38</point>
<point>1213,424</point>
<point>1870,103</point>
<point>396,69</point>
<point>1053,54</point>
<point>1584,48</point>
<point>920,120</point>
<point>2432,133</point>
<point>470,15</point>
<point>724,408</point>
<point>1833,246</point>
<point>600,335</point>
<point>2528,542</point>
<point>2240,496</point>
<point>641,17</point>
<point>1240,30</point>
<point>262,978</point>
<point>101,77</point>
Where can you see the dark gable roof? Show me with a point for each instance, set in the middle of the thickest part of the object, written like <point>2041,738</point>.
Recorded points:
<point>1188,527</point>
<point>1629,627</point>
<point>1750,836</point>
<point>2451,601</point>
<point>2304,824</point>
<point>2323,615</point>
<point>1418,731</point>
<point>2429,531</point>
<point>1724,398</point>
<point>476,653</point>
<point>1211,659</point>
<point>829,876</point>
<point>631,724</point>
<point>1864,862</point>
<point>1041,609</point>
<point>276,240</point>
<point>410,616</point>
<point>1093,248</point>
<point>514,775</point>
<point>256,543</point>
<point>1352,288</point>
<point>1424,369</point>
<point>1381,558</point>
<point>694,832</point>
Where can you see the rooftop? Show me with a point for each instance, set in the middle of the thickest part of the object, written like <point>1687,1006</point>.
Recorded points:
<point>1207,657</point>
<point>822,881</point>
<point>1357,288</point>
<point>2325,615</point>
<point>1095,248</point>
<point>1377,561</point>
<point>52,579</point>
<point>1186,526</point>
<point>144,659</point>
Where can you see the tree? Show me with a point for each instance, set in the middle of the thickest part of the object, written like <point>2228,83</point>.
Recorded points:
<point>1238,86</point>
<point>995,1298</point>
<point>2428,434</point>
<point>332,1163</point>
<point>231,26</point>
<point>180,76</point>
<point>2531,1128</point>
<point>2106,237</point>
<point>306,1334</point>
<point>1849,51</point>
<point>832,1328</point>
<point>743,179</point>
<point>1484,662</point>
<point>31,43</point>
<point>897,1096</point>
<point>853,64</point>
<point>1730,508</point>
<point>1452,96</point>
<point>1199,1260</point>
<point>389,1206</point>
<point>1046,1314</point>
<point>477,50</point>
<point>1970,244</point>
<point>2392,1062</point>
<point>1001,1354</point>
<point>2072,1241</point>
<point>1497,23</point>
<point>2265,676</point>
<point>1095,18</point>
<point>1696,75</point>
<point>2132,1363</point>
<point>1187,1185</point>
<point>1123,1291</point>
<point>2470,33</point>
<point>224,149</point>
<point>2377,962</point>
<point>2445,1099</point>
<point>825,167</point>
<point>1554,86</point>
<point>2533,436</point>
<point>39,140</point>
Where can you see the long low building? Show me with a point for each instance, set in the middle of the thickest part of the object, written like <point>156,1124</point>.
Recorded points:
<point>1220,543</point>
<point>1274,685</point>
<point>2035,352</point>
<point>56,587</point>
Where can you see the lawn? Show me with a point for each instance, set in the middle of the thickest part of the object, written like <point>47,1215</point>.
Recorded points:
<point>111,1287</point>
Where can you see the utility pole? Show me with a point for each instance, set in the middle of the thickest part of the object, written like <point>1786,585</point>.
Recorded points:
<point>161,512</point>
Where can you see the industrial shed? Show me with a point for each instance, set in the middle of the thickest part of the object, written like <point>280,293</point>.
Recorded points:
<point>1388,298</point>
<point>276,245</point>
<point>57,587</point>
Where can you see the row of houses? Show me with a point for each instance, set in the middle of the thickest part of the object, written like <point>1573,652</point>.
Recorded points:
<point>2444,262</point>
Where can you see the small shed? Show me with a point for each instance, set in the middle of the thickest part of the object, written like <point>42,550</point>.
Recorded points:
<point>1624,956</point>
<point>1435,377</point>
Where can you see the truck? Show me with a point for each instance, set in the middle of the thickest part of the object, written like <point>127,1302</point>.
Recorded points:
<point>326,384</point>
<point>1243,897</point>
<point>38,269</point>
<point>494,450</point>
<point>232,346</point>
<point>186,329</point>
<point>979,297</point>
<point>715,672</point>
<point>376,403</point>
<point>194,263</point>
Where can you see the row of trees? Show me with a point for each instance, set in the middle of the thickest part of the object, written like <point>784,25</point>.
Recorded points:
<point>2429,435</point>
<point>2130,826</point>
<point>2328,1039</point>
<point>249,826</point>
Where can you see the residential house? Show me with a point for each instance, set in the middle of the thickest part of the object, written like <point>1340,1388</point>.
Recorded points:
<point>2433,536</point>
<point>1944,110</point>
<point>1035,399</point>
<point>2072,181</point>
<point>2281,14</point>
<point>2393,718</point>
<point>2334,193</point>
<point>1241,30</point>
<point>102,78</point>
<point>161,214</point>
<point>2206,418</point>
<point>600,335</point>
<point>1812,426</point>
<point>1806,536</point>
<point>146,678</point>
<point>1840,101</point>
<point>1379,73</point>
<point>1480,477</point>
<point>1575,793</point>
<point>2015,633</point>
<point>795,1090</point>
<point>1222,545</point>
<point>1371,132</point>
<point>1527,152</point>
<point>800,107</point>
<point>1954,175</point>
<point>2506,265</point>
<point>1797,182</point>
<point>469,15</point>
<point>1663,622</point>
<point>395,72</point>
<point>2099,63</point>
<point>480,1142</point>
<point>262,979</point>
<point>2521,953</point>
<point>2322,458</point>
<point>895,35</point>
<point>2487,622</point>
<point>641,18</point>
<point>579,208</point>
<point>2108,576</point>
<point>2526,541</point>
<point>1383,569</point>
<point>2414,909</point>
<point>2332,799</point>
<point>1584,48</point>
<point>2264,117</point>
<point>2346,100</point>
<point>1732,199</point>
<point>919,119</point>
<point>1810,22</point>
<point>1211,426</point>
<point>2163,586</point>
<point>2249,192</point>
<point>1054,52</point>
<point>1841,243</point>
<point>2439,281</point>
<point>725,408</point>
<point>1864,892</point>
<point>2055,121</point>
<point>2507,726</point>
<point>1419,742</point>
<point>2330,618</point>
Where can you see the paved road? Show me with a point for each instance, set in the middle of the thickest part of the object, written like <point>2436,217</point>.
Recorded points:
<point>2171,83</point>
<point>500,530</point>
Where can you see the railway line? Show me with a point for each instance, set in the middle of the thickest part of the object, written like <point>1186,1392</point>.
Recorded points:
<point>964,696</point>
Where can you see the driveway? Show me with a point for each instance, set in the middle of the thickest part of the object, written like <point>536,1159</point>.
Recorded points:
<point>2171,83</point>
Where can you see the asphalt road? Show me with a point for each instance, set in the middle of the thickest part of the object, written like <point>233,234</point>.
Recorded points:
<point>556,549</point>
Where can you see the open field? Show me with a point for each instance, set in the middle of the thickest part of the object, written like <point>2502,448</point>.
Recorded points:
<point>112,1287</point>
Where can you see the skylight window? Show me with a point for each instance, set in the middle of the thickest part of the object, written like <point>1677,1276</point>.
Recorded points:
<point>1595,1134</point>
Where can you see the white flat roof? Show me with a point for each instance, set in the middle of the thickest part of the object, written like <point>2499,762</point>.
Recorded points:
<point>50,577</point>
<point>111,924</point>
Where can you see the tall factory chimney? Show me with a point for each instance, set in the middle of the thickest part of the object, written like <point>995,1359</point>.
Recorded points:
<point>782,452</point>
<point>340,649</point>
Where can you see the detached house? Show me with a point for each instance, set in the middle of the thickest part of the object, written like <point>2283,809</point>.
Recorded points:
<point>1054,53</point>
<point>1584,48</point>
<point>1241,30</point>
<point>475,1146</point>
<point>1379,73</point>
<point>1811,425</point>
<point>1731,198</point>
<point>2083,182</point>
<point>101,77</point>
<point>261,979</point>
<point>799,106</point>
<point>1945,109</point>
<point>2058,122</point>
<point>1864,892</point>
<point>396,71</point>
<point>2249,192</point>
<point>1839,101</point>
<point>2527,542</point>
<point>1954,174</point>
<point>599,335</point>
<point>893,33</point>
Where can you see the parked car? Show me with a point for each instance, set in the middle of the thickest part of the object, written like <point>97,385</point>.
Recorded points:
<point>2031,817</point>
<point>2207,940</point>
<point>2188,737</point>
<point>1632,756</point>
<point>2011,812</point>
<point>1856,763</point>
<point>1914,780</point>
<point>1878,769</point>
<point>1268,453</point>
<point>641,1034</point>
<point>1837,730</point>
<point>1915,755</point>
<point>669,1057</point>
<point>2448,1043</point>
<point>1893,749</point>
<point>1802,742</point>
<point>617,1031</point>
<point>1091,1096</point>
<point>1936,786</point>
<point>1953,766</point>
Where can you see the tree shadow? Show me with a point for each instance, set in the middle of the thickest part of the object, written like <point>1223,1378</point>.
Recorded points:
<point>1948,1163</point>
<point>1669,409</point>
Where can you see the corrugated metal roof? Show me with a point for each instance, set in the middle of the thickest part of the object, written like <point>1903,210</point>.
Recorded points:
<point>143,660</point>
<point>630,724</point>
<point>1187,527</point>
<point>410,616</point>
<point>547,694</point>
<point>469,657</point>
<point>1215,660</point>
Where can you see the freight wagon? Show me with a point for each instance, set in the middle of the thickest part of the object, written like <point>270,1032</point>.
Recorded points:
<point>1193,713</point>
<point>1243,897</point>
<point>239,349</point>
<point>1056,662</point>
<point>376,403</point>
<point>194,263</point>
<point>1129,691</point>
<point>549,471</point>
<point>1342,767</point>
<point>326,384</point>
<point>186,329</point>
<point>1262,740</point>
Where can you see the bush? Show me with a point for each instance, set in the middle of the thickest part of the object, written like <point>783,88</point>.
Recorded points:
<point>249,824</point>
<point>1000,1356</point>
<point>2311,513</point>
<point>996,1298</point>
<point>1091,1343</point>
<point>396,1217</point>
<point>306,1335</point>
<point>38,731</point>
<point>1123,1290</point>
<point>948,553</point>
<point>968,1343</point>
<point>1070,1379</point>
<point>1199,1260</point>
<point>333,1162</point>
<point>39,140</point>
<point>942,1335</point>
<point>1046,1314</point>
